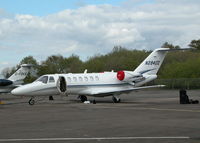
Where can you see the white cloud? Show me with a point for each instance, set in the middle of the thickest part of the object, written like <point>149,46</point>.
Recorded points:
<point>96,29</point>
<point>4,63</point>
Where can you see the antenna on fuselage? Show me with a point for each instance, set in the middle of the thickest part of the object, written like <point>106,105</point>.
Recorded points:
<point>85,71</point>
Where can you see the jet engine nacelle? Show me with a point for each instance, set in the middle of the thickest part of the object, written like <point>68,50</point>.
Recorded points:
<point>129,76</point>
<point>5,82</point>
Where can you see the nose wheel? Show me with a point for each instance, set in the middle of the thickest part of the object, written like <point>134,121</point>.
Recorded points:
<point>31,101</point>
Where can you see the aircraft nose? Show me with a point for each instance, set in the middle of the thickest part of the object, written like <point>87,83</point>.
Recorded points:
<point>17,91</point>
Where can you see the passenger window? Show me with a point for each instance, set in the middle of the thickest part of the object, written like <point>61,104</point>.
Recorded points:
<point>74,79</point>
<point>80,79</point>
<point>51,79</point>
<point>91,78</point>
<point>69,79</point>
<point>86,78</point>
<point>96,78</point>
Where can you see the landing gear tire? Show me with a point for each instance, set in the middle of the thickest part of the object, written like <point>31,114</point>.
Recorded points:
<point>31,101</point>
<point>94,101</point>
<point>51,98</point>
<point>116,100</point>
<point>83,98</point>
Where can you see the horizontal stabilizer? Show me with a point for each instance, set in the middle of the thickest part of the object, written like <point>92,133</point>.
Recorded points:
<point>27,65</point>
<point>169,49</point>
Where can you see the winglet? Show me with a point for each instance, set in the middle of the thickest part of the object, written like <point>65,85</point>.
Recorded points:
<point>26,65</point>
<point>168,49</point>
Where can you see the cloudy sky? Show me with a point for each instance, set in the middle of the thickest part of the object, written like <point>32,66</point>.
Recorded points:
<point>42,28</point>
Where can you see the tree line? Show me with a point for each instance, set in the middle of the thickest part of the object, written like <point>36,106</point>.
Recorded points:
<point>177,64</point>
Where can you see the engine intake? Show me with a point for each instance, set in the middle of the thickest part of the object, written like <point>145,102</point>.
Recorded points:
<point>120,75</point>
<point>5,82</point>
<point>129,76</point>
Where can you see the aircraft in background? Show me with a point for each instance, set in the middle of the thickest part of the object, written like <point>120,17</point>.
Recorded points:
<point>96,84</point>
<point>15,80</point>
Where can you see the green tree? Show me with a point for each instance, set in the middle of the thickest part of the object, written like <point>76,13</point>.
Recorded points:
<point>171,46</point>
<point>73,64</point>
<point>53,64</point>
<point>28,60</point>
<point>178,64</point>
<point>34,69</point>
<point>195,44</point>
<point>59,64</point>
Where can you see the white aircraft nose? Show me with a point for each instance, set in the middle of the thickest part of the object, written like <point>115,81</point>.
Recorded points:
<point>16,91</point>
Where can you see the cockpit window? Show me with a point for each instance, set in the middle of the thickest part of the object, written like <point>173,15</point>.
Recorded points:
<point>43,79</point>
<point>51,79</point>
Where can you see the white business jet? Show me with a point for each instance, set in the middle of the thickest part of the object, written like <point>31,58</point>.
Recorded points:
<point>15,80</point>
<point>96,84</point>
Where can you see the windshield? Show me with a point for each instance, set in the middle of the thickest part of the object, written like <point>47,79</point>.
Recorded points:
<point>43,79</point>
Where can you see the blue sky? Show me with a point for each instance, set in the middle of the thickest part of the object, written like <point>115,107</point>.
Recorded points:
<point>45,7</point>
<point>42,28</point>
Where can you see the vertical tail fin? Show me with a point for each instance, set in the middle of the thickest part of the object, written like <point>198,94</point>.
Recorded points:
<point>21,73</point>
<point>153,62</point>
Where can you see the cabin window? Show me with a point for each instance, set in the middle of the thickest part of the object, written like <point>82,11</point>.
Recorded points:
<point>96,78</point>
<point>51,79</point>
<point>86,78</point>
<point>43,79</point>
<point>80,79</point>
<point>74,79</point>
<point>69,79</point>
<point>91,78</point>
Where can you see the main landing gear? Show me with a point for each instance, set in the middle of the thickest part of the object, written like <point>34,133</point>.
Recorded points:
<point>31,101</point>
<point>51,98</point>
<point>116,99</point>
<point>83,98</point>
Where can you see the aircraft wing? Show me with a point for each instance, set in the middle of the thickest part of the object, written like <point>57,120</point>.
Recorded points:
<point>96,91</point>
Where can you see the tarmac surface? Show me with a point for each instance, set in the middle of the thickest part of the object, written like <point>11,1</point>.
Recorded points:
<point>149,116</point>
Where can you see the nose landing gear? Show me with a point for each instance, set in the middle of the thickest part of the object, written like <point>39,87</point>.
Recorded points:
<point>31,101</point>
